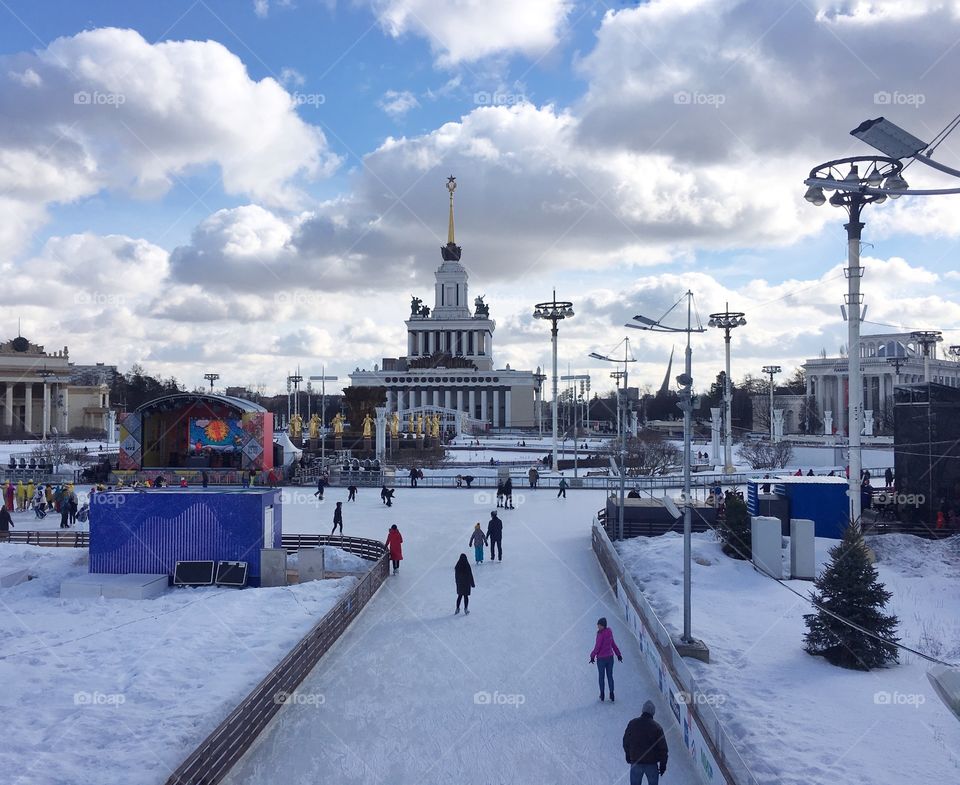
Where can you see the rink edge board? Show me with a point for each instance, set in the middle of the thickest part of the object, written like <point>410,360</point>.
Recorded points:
<point>213,758</point>
<point>710,747</point>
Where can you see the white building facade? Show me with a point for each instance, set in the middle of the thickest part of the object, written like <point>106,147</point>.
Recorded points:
<point>449,356</point>
<point>887,360</point>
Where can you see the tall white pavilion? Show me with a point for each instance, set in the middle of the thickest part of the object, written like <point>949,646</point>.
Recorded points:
<point>449,354</point>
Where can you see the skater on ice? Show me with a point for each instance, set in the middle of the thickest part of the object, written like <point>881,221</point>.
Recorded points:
<point>645,747</point>
<point>495,535</point>
<point>508,494</point>
<point>337,519</point>
<point>602,654</point>
<point>478,539</point>
<point>563,488</point>
<point>464,579</point>
<point>394,545</point>
<point>351,493</point>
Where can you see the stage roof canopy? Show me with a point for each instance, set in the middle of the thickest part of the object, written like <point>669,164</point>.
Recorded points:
<point>177,400</point>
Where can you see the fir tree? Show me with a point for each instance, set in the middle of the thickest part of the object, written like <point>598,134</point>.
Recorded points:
<point>734,529</point>
<point>848,587</point>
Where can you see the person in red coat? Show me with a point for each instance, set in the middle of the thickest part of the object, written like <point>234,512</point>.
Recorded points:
<point>394,544</point>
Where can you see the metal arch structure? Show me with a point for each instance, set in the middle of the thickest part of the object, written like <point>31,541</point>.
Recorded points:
<point>450,419</point>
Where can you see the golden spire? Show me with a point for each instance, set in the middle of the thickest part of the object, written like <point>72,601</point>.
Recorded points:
<point>451,187</point>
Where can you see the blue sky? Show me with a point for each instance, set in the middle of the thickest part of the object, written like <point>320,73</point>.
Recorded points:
<point>316,137</point>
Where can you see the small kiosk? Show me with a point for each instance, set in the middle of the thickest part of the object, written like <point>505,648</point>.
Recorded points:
<point>822,500</point>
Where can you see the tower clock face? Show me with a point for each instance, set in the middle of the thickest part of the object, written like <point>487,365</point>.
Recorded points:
<point>20,344</point>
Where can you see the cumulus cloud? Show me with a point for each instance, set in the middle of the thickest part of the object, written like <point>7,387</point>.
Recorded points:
<point>464,32</point>
<point>105,109</point>
<point>398,103</point>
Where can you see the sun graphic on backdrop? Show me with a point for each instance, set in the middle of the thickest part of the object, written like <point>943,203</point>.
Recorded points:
<point>217,431</point>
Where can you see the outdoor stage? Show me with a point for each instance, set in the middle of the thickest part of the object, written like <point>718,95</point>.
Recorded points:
<point>187,435</point>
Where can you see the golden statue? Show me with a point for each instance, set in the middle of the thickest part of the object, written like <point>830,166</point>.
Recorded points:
<point>296,426</point>
<point>410,426</point>
<point>367,426</point>
<point>337,423</point>
<point>395,425</point>
<point>314,426</point>
<point>436,426</point>
<point>420,424</point>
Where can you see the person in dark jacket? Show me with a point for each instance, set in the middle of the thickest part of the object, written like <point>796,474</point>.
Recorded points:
<point>204,479</point>
<point>464,578</point>
<point>351,493</point>
<point>495,535</point>
<point>414,476</point>
<point>6,523</point>
<point>337,518</point>
<point>888,477</point>
<point>508,494</point>
<point>321,486</point>
<point>386,496</point>
<point>645,747</point>
<point>563,488</point>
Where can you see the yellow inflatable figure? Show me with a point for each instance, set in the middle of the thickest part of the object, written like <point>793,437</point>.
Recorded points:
<point>395,425</point>
<point>367,426</point>
<point>314,427</point>
<point>337,423</point>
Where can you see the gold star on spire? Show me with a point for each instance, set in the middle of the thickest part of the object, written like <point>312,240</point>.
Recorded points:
<point>451,187</point>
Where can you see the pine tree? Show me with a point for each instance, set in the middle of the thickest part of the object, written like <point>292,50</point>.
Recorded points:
<point>848,587</point>
<point>734,529</point>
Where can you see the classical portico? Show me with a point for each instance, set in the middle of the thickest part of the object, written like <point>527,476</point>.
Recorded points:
<point>42,392</point>
<point>449,354</point>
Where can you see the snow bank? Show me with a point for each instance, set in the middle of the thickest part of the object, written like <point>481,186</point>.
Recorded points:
<point>796,719</point>
<point>337,560</point>
<point>120,691</point>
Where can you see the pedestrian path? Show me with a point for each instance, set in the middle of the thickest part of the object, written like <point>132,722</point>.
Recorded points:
<point>413,694</point>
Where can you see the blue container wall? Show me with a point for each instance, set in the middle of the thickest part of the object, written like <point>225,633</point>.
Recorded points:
<point>753,498</point>
<point>826,505</point>
<point>150,532</point>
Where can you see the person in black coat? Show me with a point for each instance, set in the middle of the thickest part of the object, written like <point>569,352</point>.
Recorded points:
<point>6,523</point>
<point>508,494</point>
<point>645,747</point>
<point>321,485</point>
<point>464,578</point>
<point>351,493</point>
<point>205,480</point>
<point>338,518</point>
<point>495,535</point>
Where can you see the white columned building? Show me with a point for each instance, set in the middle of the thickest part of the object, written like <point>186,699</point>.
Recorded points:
<point>449,356</point>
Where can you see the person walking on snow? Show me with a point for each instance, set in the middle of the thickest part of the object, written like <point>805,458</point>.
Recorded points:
<point>602,654</point>
<point>495,535</point>
<point>464,579</point>
<point>563,488</point>
<point>508,494</point>
<point>351,493</point>
<point>337,519</point>
<point>394,544</point>
<point>478,539</point>
<point>645,747</point>
<point>321,485</point>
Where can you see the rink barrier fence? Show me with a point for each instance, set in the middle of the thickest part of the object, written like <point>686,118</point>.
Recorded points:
<point>715,757</point>
<point>56,538</point>
<point>212,760</point>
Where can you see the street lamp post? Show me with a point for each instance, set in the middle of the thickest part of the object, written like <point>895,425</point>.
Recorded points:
<point>771,370</point>
<point>323,379</point>
<point>575,402</point>
<point>927,340</point>
<point>539,378</point>
<point>554,312</point>
<point>211,377</point>
<point>727,321</point>
<point>687,646</point>
<point>621,418</point>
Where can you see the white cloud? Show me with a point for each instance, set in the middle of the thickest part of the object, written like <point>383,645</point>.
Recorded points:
<point>398,103</point>
<point>470,30</point>
<point>105,109</point>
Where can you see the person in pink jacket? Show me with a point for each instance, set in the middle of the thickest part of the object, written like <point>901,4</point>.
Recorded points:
<point>602,654</point>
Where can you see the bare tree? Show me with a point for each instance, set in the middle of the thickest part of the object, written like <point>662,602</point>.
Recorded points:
<point>764,455</point>
<point>647,453</point>
<point>53,451</point>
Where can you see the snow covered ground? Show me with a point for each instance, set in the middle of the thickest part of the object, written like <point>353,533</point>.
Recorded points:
<point>119,692</point>
<point>413,694</point>
<point>799,720</point>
